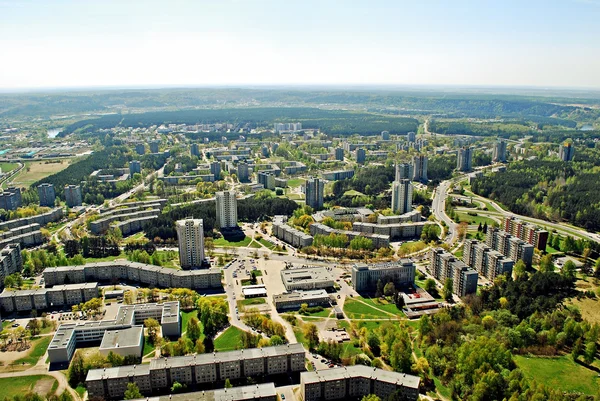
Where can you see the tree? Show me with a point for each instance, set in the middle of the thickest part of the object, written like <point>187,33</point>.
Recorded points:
<point>132,392</point>
<point>448,289</point>
<point>76,372</point>
<point>115,359</point>
<point>228,383</point>
<point>389,289</point>
<point>371,397</point>
<point>379,291</point>
<point>519,269</point>
<point>177,387</point>
<point>569,270</point>
<point>311,333</point>
<point>590,352</point>
<point>200,348</point>
<point>374,343</point>
<point>430,285</point>
<point>34,327</point>
<point>276,340</point>
<point>193,331</point>
<point>546,264</point>
<point>153,329</point>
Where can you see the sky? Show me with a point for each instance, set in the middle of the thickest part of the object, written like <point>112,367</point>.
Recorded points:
<point>130,43</point>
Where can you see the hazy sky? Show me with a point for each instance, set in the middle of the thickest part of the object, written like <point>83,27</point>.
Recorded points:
<point>54,43</point>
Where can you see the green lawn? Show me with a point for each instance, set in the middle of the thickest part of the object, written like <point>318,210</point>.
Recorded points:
<point>383,304</point>
<point>185,319</point>
<point>549,249</point>
<point>223,242</point>
<point>353,192</point>
<point>255,245</point>
<point>266,243</point>
<point>373,324</point>
<point>6,167</point>
<point>560,373</point>
<point>38,349</point>
<point>349,350</point>
<point>474,219</point>
<point>81,391</point>
<point>324,313</point>
<point>148,348</point>
<point>299,333</point>
<point>229,340</point>
<point>20,385</point>
<point>357,310</point>
<point>295,182</point>
<point>250,301</point>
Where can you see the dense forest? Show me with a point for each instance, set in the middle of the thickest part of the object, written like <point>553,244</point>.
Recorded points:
<point>335,122</point>
<point>251,209</point>
<point>549,189</point>
<point>456,104</point>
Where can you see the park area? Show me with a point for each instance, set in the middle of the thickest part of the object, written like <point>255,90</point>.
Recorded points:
<point>37,170</point>
<point>39,384</point>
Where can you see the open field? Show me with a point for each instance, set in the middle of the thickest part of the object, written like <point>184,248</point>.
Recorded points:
<point>357,310</point>
<point>559,373</point>
<point>295,182</point>
<point>353,192</point>
<point>474,219</point>
<point>590,308</point>
<point>37,350</point>
<point>34,171</point>
<point>229,340</point>
<point>383,304</point>
<point>223,242</point>
<point>20,385</point>
<point>6,167</point>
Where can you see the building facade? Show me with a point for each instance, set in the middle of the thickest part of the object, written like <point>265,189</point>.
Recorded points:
<point>464,161</point>
<point>420,168</point>
<point>226,203</point>
<point>499,153</point>
<point>314,188</point>
<point>443,265</point>
<point>402,193</point>
<point>401,273</point>
<point>566,152</point>
<point>73,195</point>
<point>46,195</point>
<point>190,236</point>
<point>404,171</point>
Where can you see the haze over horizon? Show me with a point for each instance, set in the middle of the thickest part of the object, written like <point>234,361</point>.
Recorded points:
<point>70,44</point>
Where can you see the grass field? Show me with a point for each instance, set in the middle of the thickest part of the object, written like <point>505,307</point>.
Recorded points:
<point>255,245</point>
<point>11,386</point>
<point>148,348</point>
<point>38,349</point>
<point>383,304</point>
<point>35,171</point>
<point>185,318</point>
<point>223,242</point>
<point>559,373</point>
<point>324,313</point>
<point>6,167</point>
<point>353,192</point>
<point>295,182</point>
<point>357,310</point>
<point>249,302</point>
<point>266,243</point>
<point>229,340</point>
<point>590,308</point>
<point>474,219</point>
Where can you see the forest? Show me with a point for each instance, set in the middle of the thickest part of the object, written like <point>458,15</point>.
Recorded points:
<point>549,189</point>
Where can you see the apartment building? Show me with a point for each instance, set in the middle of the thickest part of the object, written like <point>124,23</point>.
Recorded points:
<point>46,298</point>
<point>402,192</point>
<point>314,188</point>
<point>148,275</point>
<point>412,216</point>
<point>190,236</point>
<point>226,203</point>
<point>10,261</point>
<point>46,194</point>
<point>420,168</point>
<point>488,262</point>
<point>72,195</point>
<point>404,171</point>
<point>354,382</point>
<point>499,152</point>
<point>464,161</point>
<point>395,231</point>
<point>509,245</point>
<point>135,167</point>
<point>379,241</point>
<point>71,335</point>
<point>401,272</point>
<point>566,151</point>
<point>525,231</point>
<point>197,370</point>
<point>443,265</point>
<point>256,392</point>
<point>287,233</point>
<point>41,219</point>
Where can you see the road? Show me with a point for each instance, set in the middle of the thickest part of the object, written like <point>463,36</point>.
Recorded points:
<point>438,207</point>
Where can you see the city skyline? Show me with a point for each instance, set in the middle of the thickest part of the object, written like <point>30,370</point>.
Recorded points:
<point>110,44</point>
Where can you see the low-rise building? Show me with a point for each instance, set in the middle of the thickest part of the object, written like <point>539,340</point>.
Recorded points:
<point>71,335</point>
<point>289,234</point>
<point>378,240</point>
<point>365,276</point>
<point>354,382</point>
<point>309,278</point>
<point>396,231</point>
<point>293,300</point>
<point>126,342</point>
<point>10,261</point>
<point>47,298</point>
<point>196,370</point>
<point>256,392</point>
<point>149,275</point>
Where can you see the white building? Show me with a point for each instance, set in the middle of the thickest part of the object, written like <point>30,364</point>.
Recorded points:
<point>402,193</point>
<point>190,234</point>
<point>226,209</point>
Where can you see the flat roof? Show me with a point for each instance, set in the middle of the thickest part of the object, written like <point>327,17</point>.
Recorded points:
<point>123,337</point>
<point>308,274</point>
<point>254,291</point>
<point>350,372</point>
<point>301,295</point>
<point>252,392</point>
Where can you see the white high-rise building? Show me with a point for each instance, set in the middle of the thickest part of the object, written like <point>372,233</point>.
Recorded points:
<point>402,192</point>
<point>190,234</point>
<point>464,160</point>
<point>314,192</point>
<point>420,168</point>
<point>226,209</point>
<point>499,154</point>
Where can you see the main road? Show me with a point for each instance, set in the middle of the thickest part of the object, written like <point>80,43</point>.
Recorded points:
<point>439,210</point>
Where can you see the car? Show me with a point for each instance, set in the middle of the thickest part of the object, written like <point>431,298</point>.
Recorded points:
<point>282,396</point>
<point>339,296</point>
<point>315,356</point>
<point>16,325</point>
<point>323,360</point>
<point>331,365</point>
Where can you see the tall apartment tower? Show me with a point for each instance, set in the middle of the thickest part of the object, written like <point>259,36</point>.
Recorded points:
<point>361,155</point>
<point>243,173</point>
<point>499,154</point>
<point>154,146</point>
<point>226,209</point>
<point>140,149</point>
<point>195,150</point>
<point>464,161</point>
<point>411,137</point>
<point>73,195</point>
<point>314,193</point>
<point>420,168</point>
<point>404,171</point>
<point>339,154</point>
<point>135,167</point>
<point>190,235</point>
<point>566,152</point>
<point>402,192</point>
<point>385,135</point>
<point>46,195</point>
<point>215,169</point>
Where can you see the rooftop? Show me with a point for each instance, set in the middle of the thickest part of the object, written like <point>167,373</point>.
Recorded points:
<point>349,372</point>
<point>122,338</point>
